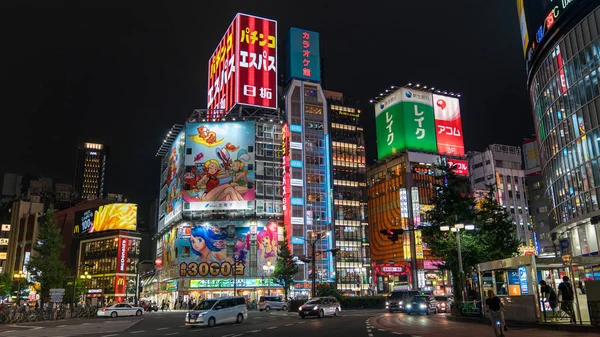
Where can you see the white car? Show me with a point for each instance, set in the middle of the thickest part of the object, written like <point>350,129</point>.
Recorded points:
<point>120,309</point>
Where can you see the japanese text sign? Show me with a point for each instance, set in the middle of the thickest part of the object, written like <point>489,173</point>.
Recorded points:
<point>461,167</point>
<point>448,126</point>
<point>304,58</point>
<point>243,68</point>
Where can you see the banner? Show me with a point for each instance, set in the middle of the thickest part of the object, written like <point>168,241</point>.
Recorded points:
<point>122,255</point>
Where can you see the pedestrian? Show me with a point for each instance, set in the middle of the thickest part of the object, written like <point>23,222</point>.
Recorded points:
<point>550,296</point>
<point>168,305</point>
<point>496,310</point>
<point>162,306</point>
<point>580,288</point>
<point>565,291</point>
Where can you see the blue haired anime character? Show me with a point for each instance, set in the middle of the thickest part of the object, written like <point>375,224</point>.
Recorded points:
<point>208,242</point>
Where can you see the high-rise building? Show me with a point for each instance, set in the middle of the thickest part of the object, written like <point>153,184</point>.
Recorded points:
<point>500,165</point>
<point>539,203</point>
<point>22,233</point>
<point>90,171</point>
<point>352,261</point>
<point>561,44</point>
<point>417,127</point>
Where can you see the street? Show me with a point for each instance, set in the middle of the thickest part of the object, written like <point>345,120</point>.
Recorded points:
<point>367,323</point>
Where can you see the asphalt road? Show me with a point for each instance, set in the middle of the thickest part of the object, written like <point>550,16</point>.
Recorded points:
<point>366,323</point>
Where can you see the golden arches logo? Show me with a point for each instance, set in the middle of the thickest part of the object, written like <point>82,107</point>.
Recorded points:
<point>121,281</point>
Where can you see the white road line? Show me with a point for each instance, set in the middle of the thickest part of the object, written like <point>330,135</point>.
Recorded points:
<point>301,322</point>
<point>253,331</point>
<point>172,333</point>
<point>61,326</point>
<point>289,324</point>
<point>271,327</point>
<point>380,329</point>
<point>139,331</point>
<point>162,329</point>
<point>370,335</point>
<point>237,335</point>
<point>227,335</point>
<point>113,335</point>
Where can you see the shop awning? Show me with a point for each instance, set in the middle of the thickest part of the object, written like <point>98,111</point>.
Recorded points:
<point>149,280</point>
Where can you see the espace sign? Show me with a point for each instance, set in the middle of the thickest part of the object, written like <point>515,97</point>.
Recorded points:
<point>122,255</point>
<point>243,68</point>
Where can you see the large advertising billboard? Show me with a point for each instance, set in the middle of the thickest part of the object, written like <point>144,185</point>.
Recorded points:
<point>531,152</point>
<point>217,249</point>
<point>286,179</point>
<point>304,57</point>
<point>105,218</point>
<point>405,121</point>
<point>448,125</point>
<point>219,166</point>
<point>173,181</point>
<point>243,67</point>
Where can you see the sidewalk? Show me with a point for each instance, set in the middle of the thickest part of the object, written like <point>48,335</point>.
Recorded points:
<point>544,326</point>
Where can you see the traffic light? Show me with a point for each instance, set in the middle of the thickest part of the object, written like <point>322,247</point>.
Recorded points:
<point>392,233</point>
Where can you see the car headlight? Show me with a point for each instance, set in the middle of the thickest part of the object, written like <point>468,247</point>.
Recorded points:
<point>443,304</point>
<point>408,306</point>
<point>187,315</point>
<point>316,307</point>
<point>400,302</point>
<point>300,309</point>
<point>422,306</point>
<point>387,303</point>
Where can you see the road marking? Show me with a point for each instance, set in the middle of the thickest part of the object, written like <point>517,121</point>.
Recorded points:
<point>162,329</point>
<point>227,335</point>
<point>61,326</point>
<point>254,331</point>
<point>289,324</point>
<point>397,333</point>
<point>380,329</point>
<point>370,335</point>
<point>237,335</point>
<point>172,333</point>
<point>271,327</point>
<point>301,322</point>
<point>139,331</point>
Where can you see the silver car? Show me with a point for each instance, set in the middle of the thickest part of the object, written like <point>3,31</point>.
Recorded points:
<point>320,307</point>
<point>267,303</point>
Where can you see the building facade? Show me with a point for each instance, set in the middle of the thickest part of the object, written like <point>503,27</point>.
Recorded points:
<point>22,233</point>
<point>350,218</point>
<point>90,171</point>
<point>501,166</point>
<point>539,204</point>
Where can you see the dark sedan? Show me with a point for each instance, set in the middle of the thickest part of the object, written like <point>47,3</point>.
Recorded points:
<point>421,304</point>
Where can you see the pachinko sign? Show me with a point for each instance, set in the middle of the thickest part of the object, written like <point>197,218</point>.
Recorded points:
<point>243,68</point>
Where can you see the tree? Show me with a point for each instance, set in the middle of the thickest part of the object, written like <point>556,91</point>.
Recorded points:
<point>285,267</point>
<point>452,205</point>
<point>497,232</point>
<point>6,284</point>
<point>45,265</point>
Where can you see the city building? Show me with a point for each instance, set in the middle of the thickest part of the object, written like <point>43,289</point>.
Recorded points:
<point>417,127</point>
<point>539,203</point>
<point>90,171</point>
<point>220,208</point>
<point>352,261</point>
<point>562,58</point>
<point>500,166</point>
<point>22,232</point>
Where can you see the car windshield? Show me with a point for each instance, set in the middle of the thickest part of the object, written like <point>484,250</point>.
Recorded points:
<point>205,305</point>
<point>419,298</point>
<point>441,298</point>
<point>315,301</point>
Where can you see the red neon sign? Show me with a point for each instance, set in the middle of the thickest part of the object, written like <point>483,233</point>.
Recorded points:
<point>286,184</point>
<point>392,269</point>
<point>461,167</point>
<point>243,68</point>
<point>122,255</point>
<point>448,125</point>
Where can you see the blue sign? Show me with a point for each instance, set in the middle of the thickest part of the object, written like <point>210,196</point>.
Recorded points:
<point>297,201</point>
<point>296,163</point>
<point>304,57</point>
<point>513,277</point>
<point>295,128</point>
<point>523,280</point>
<point>565,247</point>
<point>297,240</point>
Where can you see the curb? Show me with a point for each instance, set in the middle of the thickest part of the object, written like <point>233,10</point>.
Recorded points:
<point>541,326</point>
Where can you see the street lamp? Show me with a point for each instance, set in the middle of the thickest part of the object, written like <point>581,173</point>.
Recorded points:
<point>88,277</point>
<point>456,229</point>
<point>18,277</point>
<point>268,269</point>
<point>312,244</point>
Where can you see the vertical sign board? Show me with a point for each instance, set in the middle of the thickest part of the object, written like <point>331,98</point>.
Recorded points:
<point>514,288</point>
<point>523,280</point>
<point>286,186</point>
<point>304,58</point>
<point>405,120</point>
<point>243,67</point>
<point>523,24</point>
<point>448,126</point>
<point>257,71</point>
<point>122,255</point>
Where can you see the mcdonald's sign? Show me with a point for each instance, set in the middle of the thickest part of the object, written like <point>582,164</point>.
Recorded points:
<point>120,281</point>
<point>120,284</point>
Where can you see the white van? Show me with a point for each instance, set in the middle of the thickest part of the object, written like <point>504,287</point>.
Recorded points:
<point>217,311</point>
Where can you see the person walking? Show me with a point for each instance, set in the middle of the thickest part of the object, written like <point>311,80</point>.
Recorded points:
<point>496,310</point>
<point>550,296</point>
<point>162,306</point>
<point>565,291</point>
<point>580,288</point>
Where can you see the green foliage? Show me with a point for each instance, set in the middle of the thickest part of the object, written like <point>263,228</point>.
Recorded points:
<point>362,302</point>
<point>45,265</point>
<point>6,284</point>
<point>80,289</point>
<point>285,267</point>
<point>493,239</point>
<point>328,289</point>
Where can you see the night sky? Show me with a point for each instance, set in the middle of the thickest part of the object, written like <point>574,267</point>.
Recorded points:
<point>121,73</point>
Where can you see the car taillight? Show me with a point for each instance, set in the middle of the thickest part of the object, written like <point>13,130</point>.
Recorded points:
<point>103,309</point>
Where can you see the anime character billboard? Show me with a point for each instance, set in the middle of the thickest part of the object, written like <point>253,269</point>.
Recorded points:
<point>217,249</point>
<point>219,166</point>
<point>174,178</point>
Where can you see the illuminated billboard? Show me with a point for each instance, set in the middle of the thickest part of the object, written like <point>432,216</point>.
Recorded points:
<point>531,152</point>
<point>304,57</point>
<point>448,125</point>
<point>460,167</point>
<point>216,249</point>
<point>405,121</point>
<point>286,179</point>
<point>219,166</point>
<point>243,67</point>
<point>173,179</point>
<point>105,218</point>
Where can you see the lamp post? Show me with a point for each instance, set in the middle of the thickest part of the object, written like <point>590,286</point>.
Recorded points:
<point>88,277</point>
<point>456,229</point>
<point>312,244</point>
<point>18,277</point>
<point>268,269</point>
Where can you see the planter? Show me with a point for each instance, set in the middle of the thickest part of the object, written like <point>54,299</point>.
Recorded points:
<point>455,312</point>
